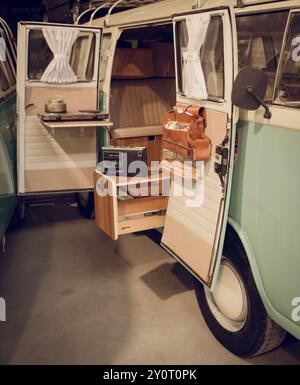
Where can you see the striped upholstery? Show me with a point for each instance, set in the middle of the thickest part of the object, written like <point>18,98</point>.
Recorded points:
<point>141,103</point>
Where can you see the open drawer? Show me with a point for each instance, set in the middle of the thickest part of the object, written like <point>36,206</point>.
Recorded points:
<point>119,213</point>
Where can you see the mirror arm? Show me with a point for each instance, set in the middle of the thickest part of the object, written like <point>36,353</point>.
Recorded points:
<point>267,114</point>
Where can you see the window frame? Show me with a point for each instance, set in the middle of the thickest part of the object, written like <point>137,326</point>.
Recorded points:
<point>90,44</point>
<point>268,12</point>
<point>230,67</point>
<point>178,57</point>
<point>80,83</point>
<point>281,59</point>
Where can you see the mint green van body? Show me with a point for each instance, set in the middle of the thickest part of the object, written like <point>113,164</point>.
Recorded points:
<point>264,211</point>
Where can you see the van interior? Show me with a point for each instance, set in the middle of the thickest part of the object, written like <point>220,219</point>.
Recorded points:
<point>142,87</point>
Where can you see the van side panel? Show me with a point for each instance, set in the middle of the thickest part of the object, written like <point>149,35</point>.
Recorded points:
<point>8,197</point>
<point>265,205</point>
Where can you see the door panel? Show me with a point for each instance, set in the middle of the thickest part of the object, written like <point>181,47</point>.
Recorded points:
<point>63,160</point>
<point>193,232</point>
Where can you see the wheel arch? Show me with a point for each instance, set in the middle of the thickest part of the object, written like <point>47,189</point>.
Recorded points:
<point>242,237</point>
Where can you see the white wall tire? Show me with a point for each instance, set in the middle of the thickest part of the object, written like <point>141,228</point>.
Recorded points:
<point>229,302</point>
<point>244,327</point>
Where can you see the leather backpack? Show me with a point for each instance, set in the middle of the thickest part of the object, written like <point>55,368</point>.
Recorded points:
<point>184,132</point>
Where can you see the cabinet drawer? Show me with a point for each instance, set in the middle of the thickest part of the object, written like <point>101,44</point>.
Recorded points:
<point>117,217</point>
<point>142,223</point>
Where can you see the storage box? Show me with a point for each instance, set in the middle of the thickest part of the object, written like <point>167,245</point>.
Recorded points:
<point>163,60</point>
<point>133,62</point>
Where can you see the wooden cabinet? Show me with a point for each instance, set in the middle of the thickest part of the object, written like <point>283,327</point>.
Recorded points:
<point>119,211</point>
<point>133,63</point>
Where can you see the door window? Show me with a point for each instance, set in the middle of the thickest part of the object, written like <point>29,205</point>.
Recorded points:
<point>200,57</point>
<point>78,47</point>
<point>259,43</point>
<point>288,87</point>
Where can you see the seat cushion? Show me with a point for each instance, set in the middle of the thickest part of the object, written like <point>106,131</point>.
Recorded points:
<point>136,132</point>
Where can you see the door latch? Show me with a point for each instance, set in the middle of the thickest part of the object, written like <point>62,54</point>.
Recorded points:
<point>221,163</point>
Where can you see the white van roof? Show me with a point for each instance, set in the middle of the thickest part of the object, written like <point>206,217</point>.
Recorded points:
<point>158,10</point>
<point>164,9</point>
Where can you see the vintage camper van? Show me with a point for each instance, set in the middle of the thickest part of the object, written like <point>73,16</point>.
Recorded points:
<point>9,207</point>
<point>239,61</point>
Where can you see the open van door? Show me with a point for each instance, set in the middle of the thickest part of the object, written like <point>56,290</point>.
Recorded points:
<point>58,63</point>
<point>205,66</point>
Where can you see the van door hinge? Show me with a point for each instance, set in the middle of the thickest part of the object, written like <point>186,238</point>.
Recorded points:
<point>221,163</point>
<point>228,125</point>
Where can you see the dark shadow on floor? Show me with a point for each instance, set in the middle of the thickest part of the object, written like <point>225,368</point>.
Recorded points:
<point>292,347</point>
<point>168,279</point>
<point>154,235</point>
<point>139,249</point>
<point>46,209</point>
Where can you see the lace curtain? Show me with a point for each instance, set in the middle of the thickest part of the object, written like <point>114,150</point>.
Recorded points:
<point>60,41</point>
<point>195,86</point>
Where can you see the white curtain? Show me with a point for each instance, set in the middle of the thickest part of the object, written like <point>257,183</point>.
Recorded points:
<point>195,86</point>
<point>60,41</point>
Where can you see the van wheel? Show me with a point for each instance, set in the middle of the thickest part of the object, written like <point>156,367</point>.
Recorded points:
<point>85,203</point>
<point>19,214</point>
<point>234,312</point>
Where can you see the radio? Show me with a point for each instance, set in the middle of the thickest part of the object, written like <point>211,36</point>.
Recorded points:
<point>124,161</point>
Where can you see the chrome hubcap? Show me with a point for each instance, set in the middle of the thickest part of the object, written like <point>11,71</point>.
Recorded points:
<point>228,303</point>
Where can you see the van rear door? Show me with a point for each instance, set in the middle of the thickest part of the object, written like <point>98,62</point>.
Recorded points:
<point>56,62</point>
<point>206,59</point>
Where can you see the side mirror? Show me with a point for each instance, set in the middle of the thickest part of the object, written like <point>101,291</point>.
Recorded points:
<point>249,90</point>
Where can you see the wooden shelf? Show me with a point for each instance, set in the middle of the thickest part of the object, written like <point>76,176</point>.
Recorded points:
<point>82,124</point>
<point>76,124</point>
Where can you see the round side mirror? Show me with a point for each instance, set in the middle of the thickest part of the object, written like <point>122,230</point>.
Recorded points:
<point>256,81</point>
<point>249,90</point>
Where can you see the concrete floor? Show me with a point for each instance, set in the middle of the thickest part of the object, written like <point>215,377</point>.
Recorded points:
<point>76,297</point>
